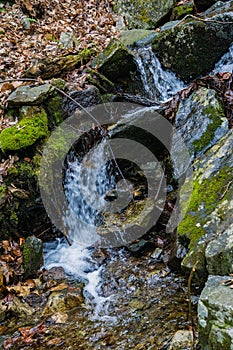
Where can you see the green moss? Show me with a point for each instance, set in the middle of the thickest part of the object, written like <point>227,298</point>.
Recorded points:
<point>182,10</point>
<point>214,114</point>
<point>54,108</point>
<point>205,196</point>
<point>58,83</point>
<point>26,133</point>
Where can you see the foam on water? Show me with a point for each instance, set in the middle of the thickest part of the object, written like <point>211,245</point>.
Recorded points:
<point>158,84</point>
<point>225,64</point>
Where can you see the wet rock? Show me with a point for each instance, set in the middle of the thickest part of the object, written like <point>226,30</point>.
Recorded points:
<point>208,217</point>
<point>115,62</point>
<point>203,5</point>
<point>215,315</point>
<point>58,317</point>
<point>14,306</point>
<point>219,253</point>
<point>157,254</point>
<point>25,95</point>
<point>182,340</point>
<point>201,108</point>
<point>143,14</point>
<point>32,256</point>
<point>187,49</point>
<point>64,300</point>
<point>32,127</point>
<point>139,246</point>
<point>85,98</point>
<point>55,273</point>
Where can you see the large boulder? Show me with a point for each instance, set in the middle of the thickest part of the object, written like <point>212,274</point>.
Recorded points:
<point>215,315</point>
<point>187,49</point>
<point>143,14</point>
<point>210,211</point>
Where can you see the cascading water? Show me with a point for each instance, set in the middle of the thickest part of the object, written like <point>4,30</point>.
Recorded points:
<point>225,64</point>
<point>158,84</point>
<point>86,185</point>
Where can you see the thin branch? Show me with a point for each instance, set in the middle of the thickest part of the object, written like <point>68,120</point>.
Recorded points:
<point>19,79</point>
<point>202,20</point>
<point>190,314</point>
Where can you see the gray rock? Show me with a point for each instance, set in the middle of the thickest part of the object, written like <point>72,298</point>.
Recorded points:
<point>25,95</point>
<point>219,253</point>
<point>32,256</point>
<point>203,109</point>
<point>143,14</point>
<point>85,98</point>
<point>187,49</point>
<point>137,37</point>
<point>210,211</point>
<point>116,61</point>
<point>215,315</point>
<point>182,340</point>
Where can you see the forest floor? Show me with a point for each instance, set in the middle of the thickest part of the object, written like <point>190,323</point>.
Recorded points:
<point>32,30</point>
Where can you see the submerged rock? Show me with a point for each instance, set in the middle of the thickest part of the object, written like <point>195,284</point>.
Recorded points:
<point>215,315</point>
<point>143,14</point>
<point>32,256</point>
<point>182,340</point>
<point>187,49</point>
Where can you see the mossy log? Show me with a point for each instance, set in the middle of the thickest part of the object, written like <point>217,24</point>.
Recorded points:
<point>47,68</point>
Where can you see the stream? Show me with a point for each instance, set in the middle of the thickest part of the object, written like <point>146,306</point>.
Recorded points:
<point>132,299</point>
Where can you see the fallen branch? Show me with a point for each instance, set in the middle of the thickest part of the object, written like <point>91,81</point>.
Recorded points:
<point>205,20</point>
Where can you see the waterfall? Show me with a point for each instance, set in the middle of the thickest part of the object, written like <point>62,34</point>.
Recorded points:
<point>85,186</point>
<point>157,84</point>
<point>225,64</point>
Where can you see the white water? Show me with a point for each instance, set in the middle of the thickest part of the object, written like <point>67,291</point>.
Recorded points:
<point>87,185</point>
<point>225,64</point>
<point>158,84</point>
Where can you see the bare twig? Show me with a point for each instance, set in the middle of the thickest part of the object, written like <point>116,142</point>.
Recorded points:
<point>190,313</point>
<point>205,20</point>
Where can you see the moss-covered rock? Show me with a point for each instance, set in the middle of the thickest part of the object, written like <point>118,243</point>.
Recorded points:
<point>21,211</point>
<point>187,49</point>
<point>182,9</point>
<point>143,14</point>
<point>31,128</point>
<point>32,256</point>
<point>201,108</point>
<point>115,62</point>
<point>51,67</point>
<point>137,37</point>
<point>210,210</point>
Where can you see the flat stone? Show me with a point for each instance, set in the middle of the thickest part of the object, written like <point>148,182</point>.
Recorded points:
<point>25,95</point>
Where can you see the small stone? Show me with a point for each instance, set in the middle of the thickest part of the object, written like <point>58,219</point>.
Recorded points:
<point>32,256</point>
<point>182,340</point>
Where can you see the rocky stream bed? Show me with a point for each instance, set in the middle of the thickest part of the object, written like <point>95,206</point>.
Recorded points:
<point>170,287</point>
